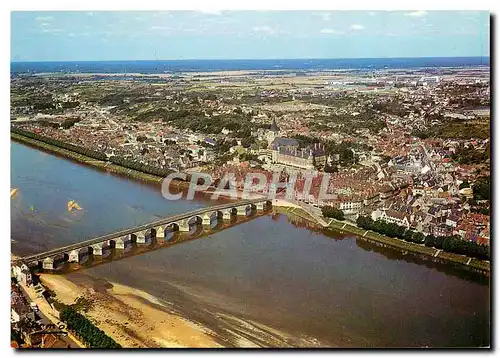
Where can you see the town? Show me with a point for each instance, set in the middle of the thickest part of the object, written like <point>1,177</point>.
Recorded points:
<point>407,148</point>
<point>410,147</point>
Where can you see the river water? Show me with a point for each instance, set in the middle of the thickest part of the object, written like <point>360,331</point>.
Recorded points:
<point>320,288</point>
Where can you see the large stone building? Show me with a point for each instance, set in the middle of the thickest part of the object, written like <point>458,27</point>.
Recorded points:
<point>286,151</point>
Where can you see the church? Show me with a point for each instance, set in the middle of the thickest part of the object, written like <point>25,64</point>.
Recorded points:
<point>273,132</point>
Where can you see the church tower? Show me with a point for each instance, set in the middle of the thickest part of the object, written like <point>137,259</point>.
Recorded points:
<point>273,132</point>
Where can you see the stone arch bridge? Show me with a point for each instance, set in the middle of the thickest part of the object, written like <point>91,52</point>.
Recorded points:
<point>119,240</point>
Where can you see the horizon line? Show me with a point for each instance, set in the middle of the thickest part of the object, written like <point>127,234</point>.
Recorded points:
<point>253,59</point>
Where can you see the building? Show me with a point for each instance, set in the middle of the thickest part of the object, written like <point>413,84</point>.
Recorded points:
<point>20,310</point>
<point>351,206</point>
<point>273,132</point>
<point>22,274</point>
<point>452,220</point>
<point>392,216</point>
<point>286,151</point>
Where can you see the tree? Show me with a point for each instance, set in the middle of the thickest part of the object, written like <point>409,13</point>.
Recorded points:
<point>430,241</point>
<point>408,235</point>
<point>331,212</point>
<point>454,244</point>
<point>464,184</point>
<point>83,328</point>
<point>481,188</point>
<point>419,238</point>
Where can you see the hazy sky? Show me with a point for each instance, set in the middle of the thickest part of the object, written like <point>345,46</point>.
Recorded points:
<point>65,36</point>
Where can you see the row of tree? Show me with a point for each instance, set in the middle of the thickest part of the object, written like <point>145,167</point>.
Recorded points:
<point>454,244</point>
<point>92,336</point>
<point>118,160</point>
<point>141,167</point>
<point>74,148</point>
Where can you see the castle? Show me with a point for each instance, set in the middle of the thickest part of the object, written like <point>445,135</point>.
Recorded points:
<point>286,151</point>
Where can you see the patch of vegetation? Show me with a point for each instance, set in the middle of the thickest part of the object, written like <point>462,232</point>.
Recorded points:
<point>82,304</point>
<point>471,155</point>
<point>457,129</point>
<point>331,212</point>
<point>86,330</point>
<point>481,188</point>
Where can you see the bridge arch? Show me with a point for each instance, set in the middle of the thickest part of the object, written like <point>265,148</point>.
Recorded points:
<point>217,214</point>
<point>58,260</point>
<point>80,254</point>
<point>173,226</point>
<point>63,256</point>
<point>195,219</point>
<point>101,249</point>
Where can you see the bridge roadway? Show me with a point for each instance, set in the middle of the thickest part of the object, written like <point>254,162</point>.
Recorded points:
<point>118,234</point>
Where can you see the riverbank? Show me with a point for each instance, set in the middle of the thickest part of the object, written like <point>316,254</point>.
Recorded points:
<point>137,319</point>
<point>468,263</point>
<point>80,158</point>
<point>465,262</point>
<point>133,318</point>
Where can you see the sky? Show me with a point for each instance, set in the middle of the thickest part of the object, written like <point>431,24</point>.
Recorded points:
<point>170,35</point>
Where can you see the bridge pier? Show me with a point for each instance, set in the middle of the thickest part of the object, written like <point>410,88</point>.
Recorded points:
<point>160,232</point>
<point>227,214</point>
<point>121,243</point>
<point>98,249</point>
<point>74,256</point>
<point>242,210</point>
<point>35,264</point>
<point>206,220</point>
<point>140,237</point>
<point>48,263</point>
<point>183,225</point>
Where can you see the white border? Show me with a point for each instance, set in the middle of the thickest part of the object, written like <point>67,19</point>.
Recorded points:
<point>185,5</point>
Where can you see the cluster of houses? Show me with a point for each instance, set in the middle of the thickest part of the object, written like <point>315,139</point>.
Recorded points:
<point>25,317</point>
<point>431,216</point>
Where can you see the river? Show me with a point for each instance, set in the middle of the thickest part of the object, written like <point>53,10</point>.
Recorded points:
<point>321,288</point>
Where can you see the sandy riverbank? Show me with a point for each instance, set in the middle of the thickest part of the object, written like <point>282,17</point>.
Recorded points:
<point>131,317</point>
